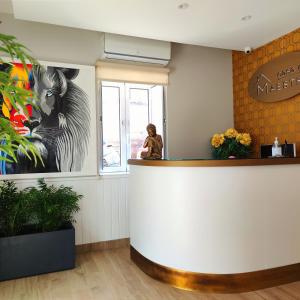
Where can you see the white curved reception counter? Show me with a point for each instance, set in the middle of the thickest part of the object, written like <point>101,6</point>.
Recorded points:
<point>222,226</point>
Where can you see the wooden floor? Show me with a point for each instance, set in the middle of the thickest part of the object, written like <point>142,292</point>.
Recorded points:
<point>110,275</point>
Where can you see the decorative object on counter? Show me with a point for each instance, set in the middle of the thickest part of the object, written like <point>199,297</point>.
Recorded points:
<point>154,144</point>
<point>231,144</point>
<point>287,150</point>
<point>36,231</point>
<point>276,148</point>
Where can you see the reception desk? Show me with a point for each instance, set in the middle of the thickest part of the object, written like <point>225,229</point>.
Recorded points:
<point>216,225</point>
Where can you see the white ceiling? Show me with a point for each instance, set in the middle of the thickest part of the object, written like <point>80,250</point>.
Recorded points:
<point>214,23</point>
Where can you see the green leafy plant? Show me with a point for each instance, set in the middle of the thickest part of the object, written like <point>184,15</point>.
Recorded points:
<point>15,209</point>
<point>36,209</point>
<point>53,207</point>
<point>231,144</point>
<point>18,97</point>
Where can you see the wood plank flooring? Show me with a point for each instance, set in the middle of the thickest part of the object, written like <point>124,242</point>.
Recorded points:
<point>110,275</point>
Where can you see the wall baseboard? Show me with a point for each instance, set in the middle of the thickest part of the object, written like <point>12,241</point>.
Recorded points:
<point>105,245</point>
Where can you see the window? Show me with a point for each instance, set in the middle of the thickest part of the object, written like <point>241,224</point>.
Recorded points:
<point>126,110</point>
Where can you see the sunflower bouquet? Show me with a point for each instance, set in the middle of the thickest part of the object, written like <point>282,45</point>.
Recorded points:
<point>230,144</point>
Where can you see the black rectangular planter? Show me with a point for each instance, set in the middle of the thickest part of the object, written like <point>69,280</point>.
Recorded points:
<point>37,253</point>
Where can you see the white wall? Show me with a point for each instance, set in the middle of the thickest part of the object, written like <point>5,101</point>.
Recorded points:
<point>104,214</point>
<point>103,211</point>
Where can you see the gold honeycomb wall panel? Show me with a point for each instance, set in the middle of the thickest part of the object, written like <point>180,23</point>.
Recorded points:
<point>263,120</point>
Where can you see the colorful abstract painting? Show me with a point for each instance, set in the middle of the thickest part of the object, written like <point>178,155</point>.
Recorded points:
<point>58,123</point>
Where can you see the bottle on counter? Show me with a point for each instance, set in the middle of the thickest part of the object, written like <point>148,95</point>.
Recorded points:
<point>276,148</point>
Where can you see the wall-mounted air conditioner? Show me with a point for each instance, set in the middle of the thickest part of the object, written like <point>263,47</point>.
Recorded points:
<point>135,49</point>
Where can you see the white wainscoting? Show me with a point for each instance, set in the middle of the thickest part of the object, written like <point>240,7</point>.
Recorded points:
<point>103,214</point>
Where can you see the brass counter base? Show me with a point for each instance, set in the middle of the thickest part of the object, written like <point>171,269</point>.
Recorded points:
<point>217,283</point>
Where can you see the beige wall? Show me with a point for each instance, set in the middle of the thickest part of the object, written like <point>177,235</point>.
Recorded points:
<point>199,99</point>
<point>54,43</point>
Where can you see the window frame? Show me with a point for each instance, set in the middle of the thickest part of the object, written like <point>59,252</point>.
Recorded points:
<point>125,123</point>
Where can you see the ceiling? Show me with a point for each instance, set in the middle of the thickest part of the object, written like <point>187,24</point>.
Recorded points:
<point>213,23</point>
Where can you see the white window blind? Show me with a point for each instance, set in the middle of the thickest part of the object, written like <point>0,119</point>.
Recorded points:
<point>131,73</point>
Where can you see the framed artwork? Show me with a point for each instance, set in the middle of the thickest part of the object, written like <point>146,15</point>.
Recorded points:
<point>61,124</point>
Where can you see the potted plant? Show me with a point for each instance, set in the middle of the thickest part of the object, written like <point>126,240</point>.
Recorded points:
<point>36,231</point>
<point>231,144</point>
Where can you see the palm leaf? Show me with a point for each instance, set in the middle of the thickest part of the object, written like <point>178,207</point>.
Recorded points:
<point>19,97</point>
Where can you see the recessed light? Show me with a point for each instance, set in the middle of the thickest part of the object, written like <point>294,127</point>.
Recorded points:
<point>183,5</point>
<point>246,18</point>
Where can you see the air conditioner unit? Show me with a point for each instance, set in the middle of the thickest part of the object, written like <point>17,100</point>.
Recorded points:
<point>135,49</point>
